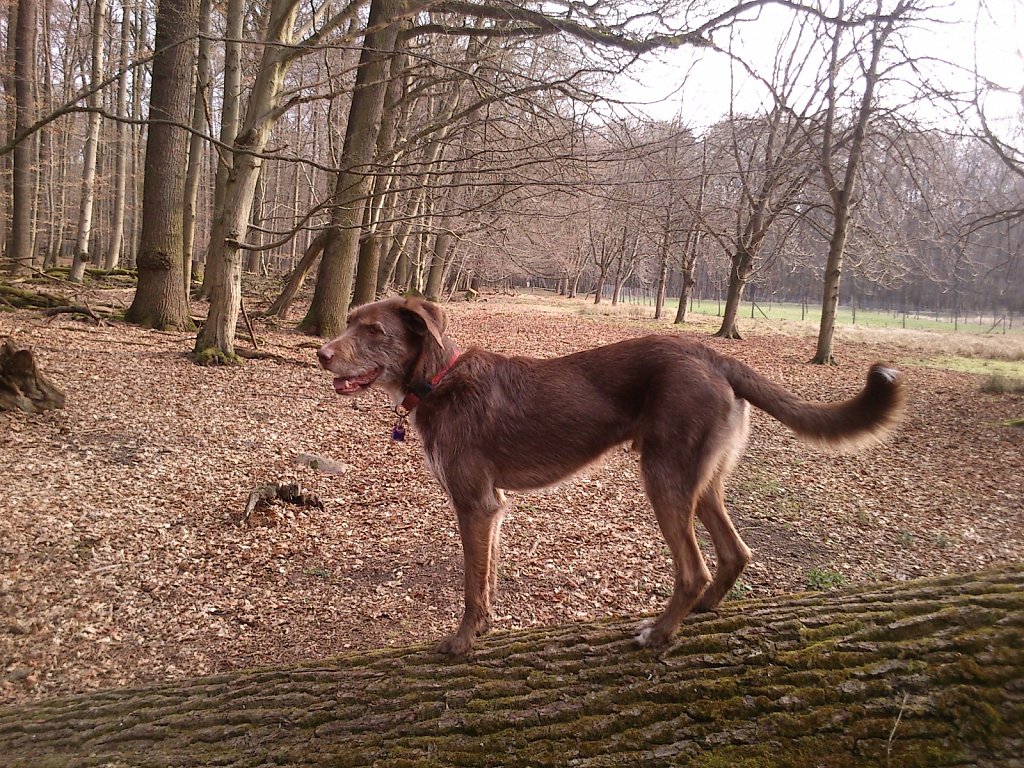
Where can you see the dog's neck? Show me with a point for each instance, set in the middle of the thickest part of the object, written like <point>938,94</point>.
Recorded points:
<point>420,389</point>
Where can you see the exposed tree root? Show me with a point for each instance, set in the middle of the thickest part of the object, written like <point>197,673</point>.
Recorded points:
<point>214,356</point>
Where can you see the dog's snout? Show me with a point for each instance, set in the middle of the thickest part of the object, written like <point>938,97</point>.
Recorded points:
<point>324,354</point>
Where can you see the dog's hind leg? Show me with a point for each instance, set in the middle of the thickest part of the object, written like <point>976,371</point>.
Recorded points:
<point>495,556</point>
<point>672,495</point>
<point>732,554</point>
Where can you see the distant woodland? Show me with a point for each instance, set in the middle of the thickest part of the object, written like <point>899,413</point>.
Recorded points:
<point>448,146</point>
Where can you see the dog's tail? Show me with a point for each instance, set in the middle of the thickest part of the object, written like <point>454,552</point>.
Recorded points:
<point>863,419</point>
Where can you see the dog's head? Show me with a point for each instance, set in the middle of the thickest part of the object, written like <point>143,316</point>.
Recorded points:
<point>386,344</point>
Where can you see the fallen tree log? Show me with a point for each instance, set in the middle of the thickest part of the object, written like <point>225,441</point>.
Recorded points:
<point>20,298</point>
<point>927,673</point>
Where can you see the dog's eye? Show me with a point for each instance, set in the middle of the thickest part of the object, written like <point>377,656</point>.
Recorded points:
<point>376,329</point>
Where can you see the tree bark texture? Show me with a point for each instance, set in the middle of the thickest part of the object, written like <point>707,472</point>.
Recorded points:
<point>659,302</point>
<point>333,292</point>
<point>368,266</point>
<point>230,117</point>
<point>160,300</point>
<point>927,673</point>
<point>196,144</point>
<point>685,289</point>
<point>23,173</point>
<point>380,207</point>
<point>438,254</point>
<point>121,151</point>
<point>297,278</point>
<point>216,341</point>
<point>742,268</point>
<point>92,140</point>
<point>824,354</point>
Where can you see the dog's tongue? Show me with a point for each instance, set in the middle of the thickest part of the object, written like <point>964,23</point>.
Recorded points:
<point>352,384</point>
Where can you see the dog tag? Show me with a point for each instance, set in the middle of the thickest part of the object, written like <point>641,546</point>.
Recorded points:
<point>398,433</point>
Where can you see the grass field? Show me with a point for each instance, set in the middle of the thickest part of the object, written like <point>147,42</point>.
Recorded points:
<point>970,348</point>
<point>874,318</point>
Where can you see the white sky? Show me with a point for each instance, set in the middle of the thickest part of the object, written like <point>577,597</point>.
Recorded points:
<point>695,84</point>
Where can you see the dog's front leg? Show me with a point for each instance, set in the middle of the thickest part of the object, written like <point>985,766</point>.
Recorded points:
<point>476,529</point>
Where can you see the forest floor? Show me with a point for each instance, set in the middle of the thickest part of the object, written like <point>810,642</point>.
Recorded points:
<point>123,558</point>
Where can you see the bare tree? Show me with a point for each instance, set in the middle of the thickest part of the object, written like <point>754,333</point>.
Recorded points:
<point>160,299</point>
<point>770,166</point>
<point>19,246</point>
<point>327,312</point>
<point>195,151</point>
<point>88,196</point>
<point>842,151</point>
<point>121,150</point>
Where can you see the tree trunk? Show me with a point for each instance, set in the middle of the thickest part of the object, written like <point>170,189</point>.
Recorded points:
<point>283,302</point>
<point>574,285</point>
<point>439,251</point>
<point>19,246</point>
<point>824,354</point>
<point>216,342</point>
<point>365,287</point>
<point>693,241</point>
<point>138,134</point>
<point>9,20</point>
<point>659,301</point>
<point>196,143</point>
<point>617,289</point>
<point>602,275</point>
<point>121,150</point>
<point>925,673</point>
<point>397,261</point>
<point>329,308</point>
<point>231,110</point>
<point>402,271</point>
<point>254,258</point>
<point>92,139</point>
<point>160,299</point>
<point>50,168</point>
<point>368,278</point>
<point>842,191</point>
<point>684,295</point>
<point>742,262</point>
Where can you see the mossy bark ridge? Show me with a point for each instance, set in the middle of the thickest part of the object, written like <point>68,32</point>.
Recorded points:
<point>927,673</point>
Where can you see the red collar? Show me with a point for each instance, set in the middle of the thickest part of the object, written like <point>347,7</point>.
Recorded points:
<point>412,399</point>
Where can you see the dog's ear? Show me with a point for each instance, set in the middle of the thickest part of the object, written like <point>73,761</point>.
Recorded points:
<point>425,317</point>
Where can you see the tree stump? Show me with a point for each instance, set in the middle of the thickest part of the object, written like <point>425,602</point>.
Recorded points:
<point>22,385</point>
<point>927,673</point>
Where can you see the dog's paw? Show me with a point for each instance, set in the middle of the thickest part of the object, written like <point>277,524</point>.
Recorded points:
<point>455,645</point>
<point>652,635</point>
<point>707,603</point>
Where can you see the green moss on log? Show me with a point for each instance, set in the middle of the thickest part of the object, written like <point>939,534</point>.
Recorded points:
<point>927,673</point>
<point>20,298</point>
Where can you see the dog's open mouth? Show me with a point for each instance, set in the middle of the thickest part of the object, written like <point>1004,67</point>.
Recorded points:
<point>349,385</point>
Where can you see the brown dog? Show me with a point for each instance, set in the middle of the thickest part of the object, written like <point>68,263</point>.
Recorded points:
<point>491,422</point>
